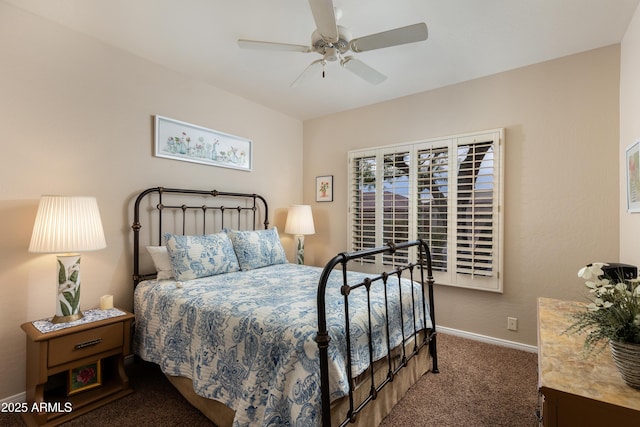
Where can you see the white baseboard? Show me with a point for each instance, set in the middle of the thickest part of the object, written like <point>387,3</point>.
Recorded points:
<point>17,398</point>
<point>487,339</point>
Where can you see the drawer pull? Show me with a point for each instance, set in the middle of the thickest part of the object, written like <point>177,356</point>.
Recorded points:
<point>88,343</point>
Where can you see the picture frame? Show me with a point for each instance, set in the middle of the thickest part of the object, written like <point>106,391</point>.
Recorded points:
<point>84,377</point>
<point>632,161</point>
<point>184,141</point>
<point>324,188</point>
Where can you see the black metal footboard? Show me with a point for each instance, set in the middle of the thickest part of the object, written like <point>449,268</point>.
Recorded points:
<point>415,272</point>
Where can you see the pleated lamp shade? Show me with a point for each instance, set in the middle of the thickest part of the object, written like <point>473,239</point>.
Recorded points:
<point>299,220</point>
<point>67,224</point>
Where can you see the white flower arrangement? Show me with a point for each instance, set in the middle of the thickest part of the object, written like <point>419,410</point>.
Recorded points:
<point>613,313</point>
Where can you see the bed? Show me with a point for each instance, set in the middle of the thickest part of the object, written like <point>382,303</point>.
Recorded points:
<point>250,339</point>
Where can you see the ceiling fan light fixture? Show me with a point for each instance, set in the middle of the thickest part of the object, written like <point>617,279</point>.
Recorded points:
<point>331,54</point>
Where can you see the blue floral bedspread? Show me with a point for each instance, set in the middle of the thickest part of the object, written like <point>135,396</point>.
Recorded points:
<point>246,339</point>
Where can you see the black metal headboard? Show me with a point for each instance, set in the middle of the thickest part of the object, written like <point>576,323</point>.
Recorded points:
<point>180,211</point>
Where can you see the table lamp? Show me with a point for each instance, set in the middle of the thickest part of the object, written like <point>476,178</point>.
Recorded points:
<point>65,226</point>
<point>299,223</point>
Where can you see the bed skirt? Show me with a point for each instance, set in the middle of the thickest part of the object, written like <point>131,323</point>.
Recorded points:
<point>372,415</point>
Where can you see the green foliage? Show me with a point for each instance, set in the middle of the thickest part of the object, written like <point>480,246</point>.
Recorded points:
<point>73,298</point>
<point>62,275</point>
<point>73,277</point>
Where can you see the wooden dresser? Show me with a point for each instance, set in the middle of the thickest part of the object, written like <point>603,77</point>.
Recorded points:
<point>578,390</point>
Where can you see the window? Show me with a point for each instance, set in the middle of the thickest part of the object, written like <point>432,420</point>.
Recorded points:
<point>447,191</point>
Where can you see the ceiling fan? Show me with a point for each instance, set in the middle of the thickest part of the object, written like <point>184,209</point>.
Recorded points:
<point>334,42</point>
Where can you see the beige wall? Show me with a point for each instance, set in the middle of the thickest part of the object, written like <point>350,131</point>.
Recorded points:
<point>77,120</point>
<point>561,177</point>
<point>629,133</point>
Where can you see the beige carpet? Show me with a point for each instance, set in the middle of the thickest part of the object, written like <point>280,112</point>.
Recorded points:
<point>478,385</point>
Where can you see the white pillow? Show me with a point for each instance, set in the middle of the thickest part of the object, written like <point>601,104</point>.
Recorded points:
<point>161,261</point>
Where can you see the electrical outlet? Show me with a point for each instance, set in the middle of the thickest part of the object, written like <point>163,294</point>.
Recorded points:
<point>512,323</point>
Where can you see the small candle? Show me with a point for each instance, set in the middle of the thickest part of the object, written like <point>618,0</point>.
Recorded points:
<point>106,302</point>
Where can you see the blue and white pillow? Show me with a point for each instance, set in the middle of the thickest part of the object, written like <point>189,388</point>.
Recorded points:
<point>201,256</point>
<point>259,248</point>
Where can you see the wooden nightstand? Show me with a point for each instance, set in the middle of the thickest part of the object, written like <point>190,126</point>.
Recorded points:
<point>101,344</point>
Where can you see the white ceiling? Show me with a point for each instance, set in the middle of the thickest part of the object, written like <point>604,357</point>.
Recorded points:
<point>467,39</point>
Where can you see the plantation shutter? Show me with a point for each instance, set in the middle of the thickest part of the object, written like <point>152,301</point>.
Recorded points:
<point>476,211</point>
<point>432,201</point>
<point>363,204</point>
<point>395,203</point>
<point>447,191</point>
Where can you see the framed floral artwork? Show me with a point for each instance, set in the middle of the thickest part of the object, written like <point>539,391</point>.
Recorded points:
<point>324,188</point>
<point>191,143</point>
<point>84,377</point>
<point>633,177</point>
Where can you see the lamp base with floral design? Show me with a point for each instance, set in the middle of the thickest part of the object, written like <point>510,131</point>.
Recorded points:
<point>299,242</point>
<point>68,299</point>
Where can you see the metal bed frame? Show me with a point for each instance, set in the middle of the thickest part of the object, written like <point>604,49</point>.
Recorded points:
<point>254,204</point>
<point>384,279</point>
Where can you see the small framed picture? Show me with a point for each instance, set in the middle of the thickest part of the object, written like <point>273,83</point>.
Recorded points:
<point>633,177</point>
<point>324,188</point>
<point>84,378</point>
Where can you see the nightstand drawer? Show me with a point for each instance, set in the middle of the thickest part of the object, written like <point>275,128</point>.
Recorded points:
<point>83,344</point>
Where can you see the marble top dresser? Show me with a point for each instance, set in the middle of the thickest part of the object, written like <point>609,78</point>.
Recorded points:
<point>578,390</point>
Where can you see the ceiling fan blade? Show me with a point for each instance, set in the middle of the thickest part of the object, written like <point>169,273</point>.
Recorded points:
<point>325,18</point>
<point>362,70</point>
<point>259,45</point>
<point>313,68</point>
<point>409,34</point>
